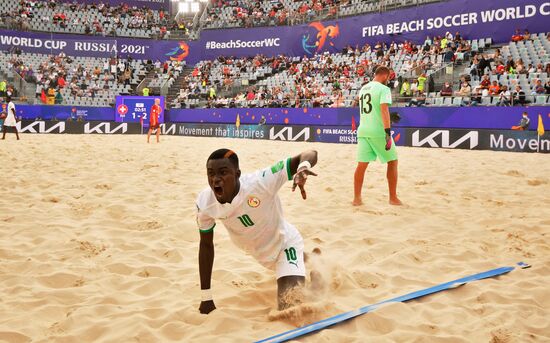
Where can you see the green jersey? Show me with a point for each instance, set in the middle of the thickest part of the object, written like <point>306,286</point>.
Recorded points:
<point>371,96</point>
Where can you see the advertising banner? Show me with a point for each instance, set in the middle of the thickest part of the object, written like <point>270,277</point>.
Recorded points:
<point>280,133</point>
<point>71,127</point>
<point>481,117</point>
<point>497,140</point>
<point>132,109</point>
<point>345,135</point>
<point>497,118</point>
<point>474,19</point>
<point>470,139</point>
<point>98,46</point>
<point>49,112</point>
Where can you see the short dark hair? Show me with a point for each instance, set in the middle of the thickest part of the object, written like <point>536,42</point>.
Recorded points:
<point>225,153</point>
<point>8,98</point>
<point>381,70</point>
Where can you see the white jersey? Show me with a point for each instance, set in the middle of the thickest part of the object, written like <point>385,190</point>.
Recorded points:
<point>254,218</point>
<point>10,117</point>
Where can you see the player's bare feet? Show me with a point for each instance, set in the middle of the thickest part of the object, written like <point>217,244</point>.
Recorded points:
<point>395,201</point>
<point>357,202</point>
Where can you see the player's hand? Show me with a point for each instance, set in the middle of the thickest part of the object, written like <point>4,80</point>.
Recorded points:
<point>388,142</point>
<point>300,179</point>
<point>207,306</point>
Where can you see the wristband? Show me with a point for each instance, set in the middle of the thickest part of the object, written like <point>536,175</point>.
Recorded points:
<point>206,294</point>
<point>388,131</point>
<point>304,164</point>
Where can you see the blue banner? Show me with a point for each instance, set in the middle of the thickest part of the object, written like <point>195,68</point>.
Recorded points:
<point>474,19</point>
<point>481,117</point>
<point>496,118</point>
<point>32,112</point>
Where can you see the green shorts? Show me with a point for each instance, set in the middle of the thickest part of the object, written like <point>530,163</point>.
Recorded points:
<point>370,148</point>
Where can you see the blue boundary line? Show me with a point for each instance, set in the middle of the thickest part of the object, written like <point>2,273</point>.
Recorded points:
<point>322,324</point>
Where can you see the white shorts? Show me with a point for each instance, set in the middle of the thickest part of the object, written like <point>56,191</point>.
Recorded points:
<point>291,258</point>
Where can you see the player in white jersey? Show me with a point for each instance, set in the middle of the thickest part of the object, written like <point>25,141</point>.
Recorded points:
<point>10,122</point>
<point>250,209</point>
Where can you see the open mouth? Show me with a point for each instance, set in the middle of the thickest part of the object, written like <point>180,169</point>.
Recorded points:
<point>218,191</point>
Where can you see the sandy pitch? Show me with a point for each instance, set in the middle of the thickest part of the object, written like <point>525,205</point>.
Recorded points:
<point>99,243</point>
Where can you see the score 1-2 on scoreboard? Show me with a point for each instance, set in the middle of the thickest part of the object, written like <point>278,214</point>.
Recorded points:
<point>131,109</point>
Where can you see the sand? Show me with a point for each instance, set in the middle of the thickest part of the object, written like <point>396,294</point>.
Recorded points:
<point>99,244</point>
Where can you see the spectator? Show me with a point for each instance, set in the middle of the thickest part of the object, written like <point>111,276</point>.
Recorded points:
<point>547,87</point>
<point>500,69</point>
<point>477,97</point>
<point>61,81</point>
<point>524,123</point>
<point>505,97</point>
<point>520,67</point>
<point>518,96</point>
<point>262,120</point>
<point>3,86</point>
<point>212,93</point>
<point>51,96</point>
<point>484,63</point>
<point>39,88</point>
<point>419,101</point>
<point>58,97</point>
<point>539,88</point>
<point>494,89</point>
<point>157,66</point>
<point>250,95</point>
<point>465,90</point>
<point>428,41</point>
<point>414,87</point>
<point>449,55</point>
<point>485,83</point>
<point>126,76</point>
<point>405,88</point>
<point>446,90</point>
<point>517,36</point>
<point>509,69</point>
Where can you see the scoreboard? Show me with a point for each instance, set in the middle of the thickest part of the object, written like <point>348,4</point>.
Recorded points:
<point>131,109</point>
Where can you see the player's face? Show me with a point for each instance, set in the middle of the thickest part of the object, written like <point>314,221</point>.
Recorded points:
<point>223,179</point>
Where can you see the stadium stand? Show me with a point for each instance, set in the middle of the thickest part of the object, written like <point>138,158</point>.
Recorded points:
<point>245,13</point>
<point>80,81</point>
<point>325,80</point>
<point>91,19</point>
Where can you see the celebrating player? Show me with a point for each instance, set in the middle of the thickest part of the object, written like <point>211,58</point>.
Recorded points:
<point>374,138</point>
<point>251,210</point>
<point>154,120</point>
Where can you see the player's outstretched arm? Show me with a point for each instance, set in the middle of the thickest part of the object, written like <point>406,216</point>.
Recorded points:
<point>300,167</point>
<point>206,260</point>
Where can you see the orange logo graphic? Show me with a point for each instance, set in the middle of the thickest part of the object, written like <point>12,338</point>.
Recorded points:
<point>179,53</point>
<point>324,34</point>
<point>253,202</point>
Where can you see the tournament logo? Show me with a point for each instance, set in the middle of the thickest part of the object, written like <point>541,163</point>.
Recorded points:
<point>179,53</point>
<point>324,34</point>
<point>253,202</point>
